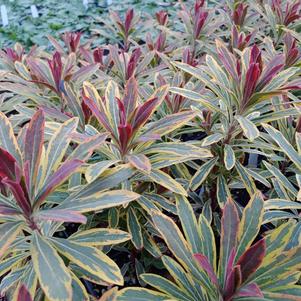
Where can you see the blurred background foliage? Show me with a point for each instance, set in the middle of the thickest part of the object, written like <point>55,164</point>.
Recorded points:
<point>56,17</point>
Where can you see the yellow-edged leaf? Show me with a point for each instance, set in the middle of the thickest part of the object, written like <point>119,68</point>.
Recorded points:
<point>90,259</point>
<point>53,275</point>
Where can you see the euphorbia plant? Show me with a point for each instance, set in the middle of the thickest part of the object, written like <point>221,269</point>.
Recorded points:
<point>132,138</point>
<point>58,72</point>
<point>135,140</point>
<point>53,73</point>
<point>281,16</point>
<point>71,41</point>
<point>235,269</point>
<point>134,63</point>
<point>44,81</point>
<point>238,86</point>
<point>9,56</point>
<point>120,28</point>
<point>199,23</point>
<point>29,247</point>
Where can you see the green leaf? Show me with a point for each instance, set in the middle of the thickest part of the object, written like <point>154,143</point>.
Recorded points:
<point>223,191</point>
<point>100,237</point>
<point>8,233</point>
<point>99,200</point>
<point>85,149</point>
<point>51,270</point>
<point>73,103</point>
<point>189,224</point>
<point>165,286</point>
<point>281,204</point>
<point>251,221</point>
<point>8,140</point>
<point>281,178</point>
<point>30,278</point>
<point>286,147</point>
<point>135,229</point>
<point>280,79</point>
<point>249,128</point>
<point>79,289</point>
<point>177,245</point>
<point>169,123</point>
<point>90,259</point>
<point>58,145</point>
<point>179,150</point>
<point>201,175</point>
<point>166,181</point>
<point>189,69</point>
<point>246,178</point>
<point>202,99</point>
<point>109,295</point>
<point>109,179</point>
<point>173,237</point>
<point>112,110</point>
<point>10,262</point>
<point>211,139</point>
<point>229,157</point>
<point>95,170</point>
<point>140,294</point>
<point>181,277</point>
<point>208,240</point>
<point>217,72</point>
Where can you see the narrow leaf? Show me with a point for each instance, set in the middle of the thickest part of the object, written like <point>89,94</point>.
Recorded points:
<point>229,229</point>
<point>286,147</point>
<point>8,140</point>
<point>52,273</point>
<point>90,259</point>
<point>60,215</point>
<point>57,178</point>
<point>34,140</point>
<point>201,175</point>
<point>251,259</point>
<point>100,237</point>
<point>251,221</point>
<point>8,233</point>
<point>99,200</point>
<point>229,157</point>
<point>249,128</point>
<point>140,161</point>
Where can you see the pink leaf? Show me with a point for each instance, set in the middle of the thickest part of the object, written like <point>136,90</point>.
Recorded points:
<point>61,215</point>
<point>251,259</point>
<point>98,114</point>
<point>250,290</point>
<point>125,134</point>
<point>34,140</point>
<point>143,112</point>
<point>128,20</point>
<point>7,165</point>
<point>131,94</point>
<point>6,210</point>
<point>57,178</point>
<point>19,195</point>
<point>23,294</point>
<point>206,266</point>
<point>140,161</point>
<point>233,282</point>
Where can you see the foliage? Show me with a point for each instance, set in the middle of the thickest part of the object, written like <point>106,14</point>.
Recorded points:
<point>157,164</point>
<point>244,269</point>
<point>56,17</point>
